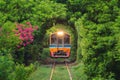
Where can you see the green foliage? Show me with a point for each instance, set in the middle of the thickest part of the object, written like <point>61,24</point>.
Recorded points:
<point>43,13</point>
<point>98,40</point>
<point>16,10</point>
<point>6,65</point>
<point>23,72</point>
<point>8,39</point>
<point>96,22</point>
<point>116,31</point>
<point>97,45</point>
<point>48,9</point>
<point>9,70</point>
<point>33,11</point>
<point>45,54</point>
<point>28,54</point>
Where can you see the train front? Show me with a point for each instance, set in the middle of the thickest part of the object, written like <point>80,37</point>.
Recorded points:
<point>60,44</point>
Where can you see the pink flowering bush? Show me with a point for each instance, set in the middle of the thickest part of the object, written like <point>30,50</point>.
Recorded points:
<point>25,33</point>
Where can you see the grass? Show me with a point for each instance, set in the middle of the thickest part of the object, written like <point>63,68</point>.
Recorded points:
<point>60,73</point>
<point>43,73</point>
<point>78,72</point>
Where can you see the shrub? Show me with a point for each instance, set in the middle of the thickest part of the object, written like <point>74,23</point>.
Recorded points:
<point>8,40</point>
<point>22,72</point>
<point>6,65</point>
<point>45,54</point>
<point>25,33</point>
<point>11,71</point>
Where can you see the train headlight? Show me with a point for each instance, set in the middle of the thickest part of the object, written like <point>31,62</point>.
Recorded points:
<point>60,33</point>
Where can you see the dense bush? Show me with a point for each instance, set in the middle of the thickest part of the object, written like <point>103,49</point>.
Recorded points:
<point>98,44</point>
<point>22,72</point>
<point>45,57</point>
<point>8,39</point>
<point>98,41</point>
<point>6,65</point>
<point>11,71</point>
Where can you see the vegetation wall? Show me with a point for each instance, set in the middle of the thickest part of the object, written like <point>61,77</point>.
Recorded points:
<point>95,24</point>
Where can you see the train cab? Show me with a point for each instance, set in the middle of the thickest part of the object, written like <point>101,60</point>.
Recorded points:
<point>60,44</point>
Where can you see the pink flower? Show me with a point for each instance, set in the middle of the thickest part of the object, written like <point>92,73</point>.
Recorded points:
<point>31,40</point>
<point>25,33</point>
<point>28,23</point>
<point>24,44</point>
<point>27,42</point>
<point>18,46</point>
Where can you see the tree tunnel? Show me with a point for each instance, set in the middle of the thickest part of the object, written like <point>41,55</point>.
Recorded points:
<point>45,56</point>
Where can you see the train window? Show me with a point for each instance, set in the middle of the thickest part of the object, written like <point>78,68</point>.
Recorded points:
<point>67,39</point>
<point>59,40</point>
<point>53,39</point>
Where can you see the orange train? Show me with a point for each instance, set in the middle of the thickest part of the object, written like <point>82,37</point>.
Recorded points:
<point>60,45</point>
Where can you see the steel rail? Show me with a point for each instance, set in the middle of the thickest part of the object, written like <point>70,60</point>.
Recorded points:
<point>68,71</point>
<point>53,68</point>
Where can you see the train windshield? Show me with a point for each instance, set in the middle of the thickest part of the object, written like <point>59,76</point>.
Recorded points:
<point>67,39</point>
<point>53,39</point>
<point>60,40</point>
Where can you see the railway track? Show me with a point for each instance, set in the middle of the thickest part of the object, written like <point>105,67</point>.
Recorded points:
<point>53,69</point>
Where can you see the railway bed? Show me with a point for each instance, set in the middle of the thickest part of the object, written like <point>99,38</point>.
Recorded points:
<point>54,68</point>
